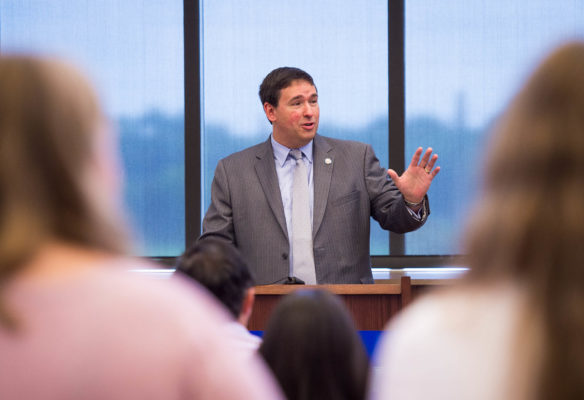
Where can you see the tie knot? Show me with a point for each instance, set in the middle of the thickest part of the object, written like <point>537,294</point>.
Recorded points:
<point>296,154</point>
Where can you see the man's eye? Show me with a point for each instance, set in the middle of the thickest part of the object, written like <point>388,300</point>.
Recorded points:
<point>314,101</point>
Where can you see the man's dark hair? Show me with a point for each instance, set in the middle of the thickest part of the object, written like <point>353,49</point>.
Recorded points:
<point>218,266</point>
<point>279,79</point>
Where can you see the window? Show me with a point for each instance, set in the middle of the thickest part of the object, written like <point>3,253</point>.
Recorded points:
<point>133,52</point>
<point>464,60</point>
<point>341,44</point>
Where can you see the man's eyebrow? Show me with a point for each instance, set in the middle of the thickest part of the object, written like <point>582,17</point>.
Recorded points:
<point>300,97</point>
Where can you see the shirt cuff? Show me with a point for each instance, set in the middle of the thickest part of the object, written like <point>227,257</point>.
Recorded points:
<point>420,214</point>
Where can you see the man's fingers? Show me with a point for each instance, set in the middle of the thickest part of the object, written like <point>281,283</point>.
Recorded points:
<point>426,157</point>
<point>435,172</point>
<point>432,162</point>
<point>416,157</point>
<point>393,175</point>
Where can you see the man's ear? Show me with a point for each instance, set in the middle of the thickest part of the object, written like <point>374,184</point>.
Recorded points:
<point>270,111</point>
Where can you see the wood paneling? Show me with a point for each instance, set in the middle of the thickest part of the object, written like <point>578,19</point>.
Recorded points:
<point>371,306</point>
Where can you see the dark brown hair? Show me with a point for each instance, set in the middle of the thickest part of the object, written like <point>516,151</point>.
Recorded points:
<point>279,79</point>
<point>219,267</point>
<point>528,227</point>
<point>313,348</point>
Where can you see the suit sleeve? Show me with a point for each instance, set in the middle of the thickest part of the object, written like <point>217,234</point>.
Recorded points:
<point>386,201</point>
<point>218,221</point>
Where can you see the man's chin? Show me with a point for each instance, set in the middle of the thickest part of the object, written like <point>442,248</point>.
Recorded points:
<point>309,136</point>
<point>309,133</point>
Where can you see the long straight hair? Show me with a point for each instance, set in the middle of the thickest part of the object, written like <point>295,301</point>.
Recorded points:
<point>49,126</point>
<point>312,346</point>
<point>528,227</point>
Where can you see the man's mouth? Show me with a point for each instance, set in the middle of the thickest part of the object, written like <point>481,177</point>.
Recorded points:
<point>308,125</point>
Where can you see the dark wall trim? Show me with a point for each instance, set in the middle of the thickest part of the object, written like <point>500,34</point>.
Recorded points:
<point>418,261</point>
<point>396,112</point>
<point>395,262</point>
<point>192,122</point>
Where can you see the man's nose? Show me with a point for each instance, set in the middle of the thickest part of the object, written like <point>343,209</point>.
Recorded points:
<point>308,110</point>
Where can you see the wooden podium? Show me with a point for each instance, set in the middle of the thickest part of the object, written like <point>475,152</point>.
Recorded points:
<point>371,305</point>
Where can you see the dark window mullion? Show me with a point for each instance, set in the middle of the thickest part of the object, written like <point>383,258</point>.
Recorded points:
<point>396,104</point>
<point>192,122</point>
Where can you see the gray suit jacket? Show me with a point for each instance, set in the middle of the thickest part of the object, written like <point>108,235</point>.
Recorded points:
<point>246,209</point>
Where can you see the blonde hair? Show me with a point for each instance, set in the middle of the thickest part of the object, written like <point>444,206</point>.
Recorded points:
<point>49,119</point>
<point>528,225</point>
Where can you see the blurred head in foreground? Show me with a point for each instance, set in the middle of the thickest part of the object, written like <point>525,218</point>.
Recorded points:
<point>74,319</point>
<point>513,327</point>
<point>59,175</point>
<point>528,226</point>
<point>313,348</point>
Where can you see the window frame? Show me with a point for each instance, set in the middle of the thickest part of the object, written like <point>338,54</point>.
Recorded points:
<point>396,141</point>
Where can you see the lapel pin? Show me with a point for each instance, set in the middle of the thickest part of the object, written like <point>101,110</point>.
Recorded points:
<point>328,161</point>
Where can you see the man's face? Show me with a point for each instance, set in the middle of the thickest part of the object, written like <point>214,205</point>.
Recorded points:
<point>295,119</point>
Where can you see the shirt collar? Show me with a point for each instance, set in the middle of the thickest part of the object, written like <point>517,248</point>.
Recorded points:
<point>281,151</point>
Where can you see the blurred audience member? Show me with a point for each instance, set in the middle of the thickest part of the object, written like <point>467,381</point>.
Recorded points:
<point>74,322</point>
<point>313,348</point>
<point>514,328</point>
<point>219,267</point>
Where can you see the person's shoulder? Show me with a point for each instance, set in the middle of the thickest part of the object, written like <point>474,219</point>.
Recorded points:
<point>455,327</point>
<point>346,149</point>
<point>247,154</point>
<point>438,325</point>
<point>144,288</point>
<point>170,307</point>
<point>241,339</point>
<point>342,143</point>
<point>175,322</point>
<point>452,309</point>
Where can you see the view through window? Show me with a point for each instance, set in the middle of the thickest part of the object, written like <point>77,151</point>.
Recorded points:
<point>133,52</point>
<point>464,60</point>
<point>341,44</point>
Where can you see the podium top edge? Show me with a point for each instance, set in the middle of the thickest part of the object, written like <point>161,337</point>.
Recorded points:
<point>353,289</point>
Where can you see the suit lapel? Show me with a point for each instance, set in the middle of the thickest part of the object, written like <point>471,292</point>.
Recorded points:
<point>323,162</point>
<point>266,171</point>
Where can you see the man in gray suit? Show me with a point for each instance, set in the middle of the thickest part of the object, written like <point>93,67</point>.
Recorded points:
<point>253,191</point>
